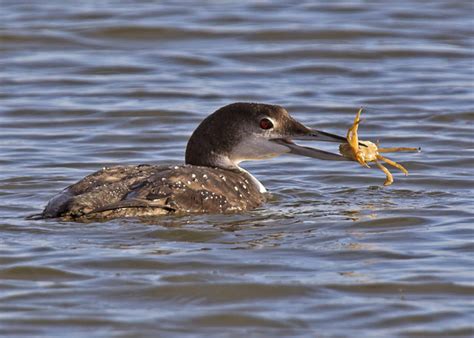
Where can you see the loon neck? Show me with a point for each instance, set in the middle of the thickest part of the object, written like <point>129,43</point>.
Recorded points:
<point>209,152</point>
<point>214,160</point>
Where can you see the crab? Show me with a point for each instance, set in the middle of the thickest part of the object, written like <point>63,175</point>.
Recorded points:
<point>366,151</point>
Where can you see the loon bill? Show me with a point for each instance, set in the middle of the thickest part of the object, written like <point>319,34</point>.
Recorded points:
<point>210,181</point>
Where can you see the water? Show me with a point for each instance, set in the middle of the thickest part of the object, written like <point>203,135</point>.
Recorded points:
<point>332,253</point>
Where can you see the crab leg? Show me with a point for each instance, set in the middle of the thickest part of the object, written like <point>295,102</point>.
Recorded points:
<point>389,179</point>
<point>353,139</point>
<point>397,149</point>
<point>393,163</point>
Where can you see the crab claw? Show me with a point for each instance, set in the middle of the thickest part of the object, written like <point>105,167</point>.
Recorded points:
<point>353,140</point>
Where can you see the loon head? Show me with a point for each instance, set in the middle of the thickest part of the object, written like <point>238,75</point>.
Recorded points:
<point>252,131</point>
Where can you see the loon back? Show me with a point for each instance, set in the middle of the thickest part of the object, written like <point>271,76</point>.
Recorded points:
<point>150,190</point>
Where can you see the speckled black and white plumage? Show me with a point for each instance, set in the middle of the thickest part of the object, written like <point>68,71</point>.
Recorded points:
<point>150,190</point>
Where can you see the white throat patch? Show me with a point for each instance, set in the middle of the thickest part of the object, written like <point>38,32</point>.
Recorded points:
<point>255,147</point>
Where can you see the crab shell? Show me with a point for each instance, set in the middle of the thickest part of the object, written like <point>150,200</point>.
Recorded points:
<point>368,153</point>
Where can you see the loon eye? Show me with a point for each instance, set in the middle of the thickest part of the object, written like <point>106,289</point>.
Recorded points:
<point>266,124</point>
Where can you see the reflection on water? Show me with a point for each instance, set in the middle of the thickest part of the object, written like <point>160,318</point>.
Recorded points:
<point>87,84</point>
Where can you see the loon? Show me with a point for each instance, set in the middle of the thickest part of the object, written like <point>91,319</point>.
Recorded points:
<point>210,181</point>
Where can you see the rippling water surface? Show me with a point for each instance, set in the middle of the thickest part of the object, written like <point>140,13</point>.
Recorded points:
<point>86,84</point>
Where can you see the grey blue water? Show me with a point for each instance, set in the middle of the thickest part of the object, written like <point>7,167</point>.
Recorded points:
<point>87,84</point>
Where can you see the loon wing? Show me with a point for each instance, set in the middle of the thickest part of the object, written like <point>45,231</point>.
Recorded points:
<point>102,189</point>
<point>130,204</point>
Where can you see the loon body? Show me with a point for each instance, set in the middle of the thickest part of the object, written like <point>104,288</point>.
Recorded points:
<point>210,181</point>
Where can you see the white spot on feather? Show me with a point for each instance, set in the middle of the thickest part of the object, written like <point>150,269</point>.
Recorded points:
<point>260,186</point>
